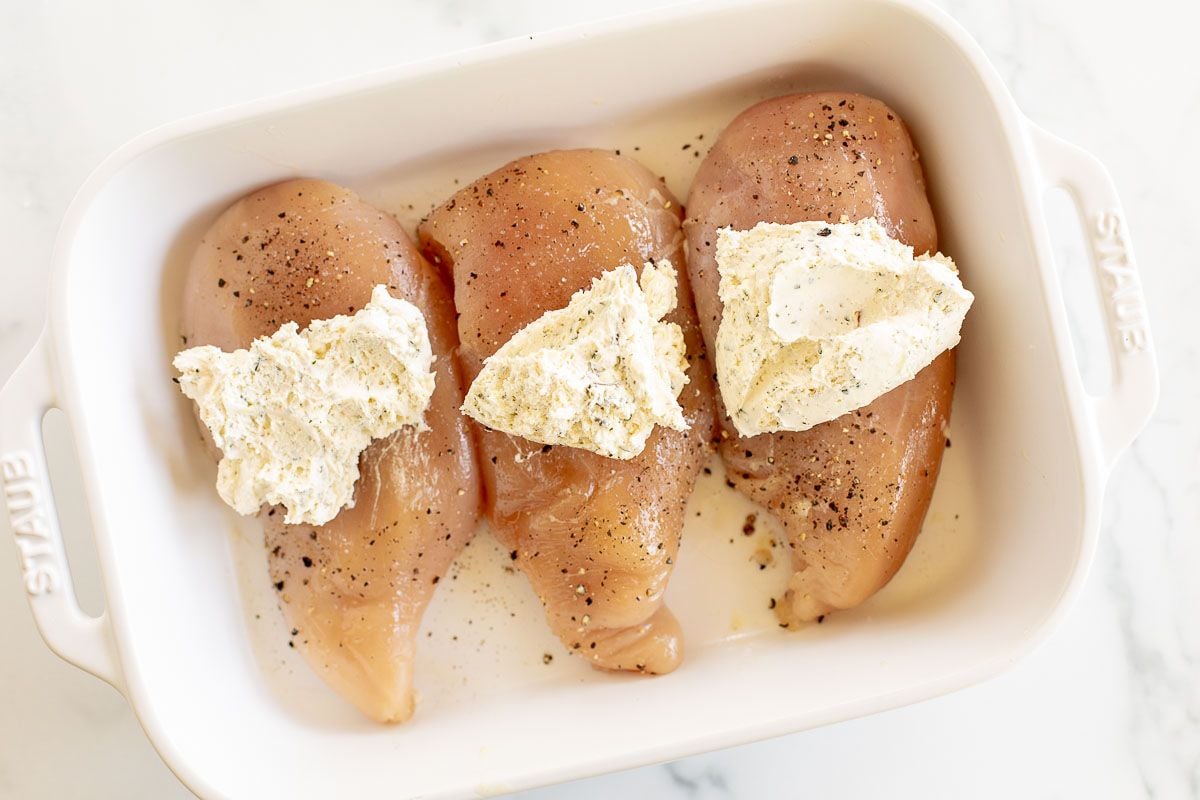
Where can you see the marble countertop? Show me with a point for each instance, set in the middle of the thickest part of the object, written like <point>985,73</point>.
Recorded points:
<point>1108,707</point>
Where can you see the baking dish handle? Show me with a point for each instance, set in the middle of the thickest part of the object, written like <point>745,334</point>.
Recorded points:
<point>1120,414</point>
<point>32,520</point>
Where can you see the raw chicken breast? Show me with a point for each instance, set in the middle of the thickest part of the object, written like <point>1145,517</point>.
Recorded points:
<point>597,537</point>
<point>353,590</point>
<point>852,493</point>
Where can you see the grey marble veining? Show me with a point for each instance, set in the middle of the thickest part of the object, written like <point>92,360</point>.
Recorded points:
<point>1108,707</point>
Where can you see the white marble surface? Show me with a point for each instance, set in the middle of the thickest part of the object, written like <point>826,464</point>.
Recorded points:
<point>1109,707</point>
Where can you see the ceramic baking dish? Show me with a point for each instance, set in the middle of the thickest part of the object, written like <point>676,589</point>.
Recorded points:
<point>191,634</point>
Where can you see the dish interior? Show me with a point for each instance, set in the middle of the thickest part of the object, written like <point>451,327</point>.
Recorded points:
<point>203,644</point>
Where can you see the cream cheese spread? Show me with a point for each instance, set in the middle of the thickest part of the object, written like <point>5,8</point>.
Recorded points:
<point>598,374</point>
<point>821,319</point>
<point>293,413</point>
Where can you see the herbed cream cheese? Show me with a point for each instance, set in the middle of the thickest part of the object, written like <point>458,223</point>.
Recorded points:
<point>598,374</point>
<point>821,319</point>
<point>293,413</point>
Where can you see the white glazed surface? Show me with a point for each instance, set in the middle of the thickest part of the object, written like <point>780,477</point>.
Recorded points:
<point>1135,640</point>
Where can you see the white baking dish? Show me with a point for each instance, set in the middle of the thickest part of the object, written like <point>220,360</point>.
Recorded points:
<point>191,634</point>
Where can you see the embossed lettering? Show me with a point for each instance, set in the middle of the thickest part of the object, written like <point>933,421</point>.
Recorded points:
<point>1108,224</point>
<point>21,495</point>
<point>42,579</point>
<point>1127,305</point>
<point>24,508</point>
<point>23,499</point>
<point>33,546</point>
<point>14,466</point>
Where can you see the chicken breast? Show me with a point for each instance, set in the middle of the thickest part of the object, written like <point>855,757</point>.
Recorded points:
<point>851,493</point>
<point>597,537</point>
<point>353,590</point>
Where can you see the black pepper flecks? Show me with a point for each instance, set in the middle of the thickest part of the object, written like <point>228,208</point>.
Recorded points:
<point>836,489</point>
<point>579,532</point>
